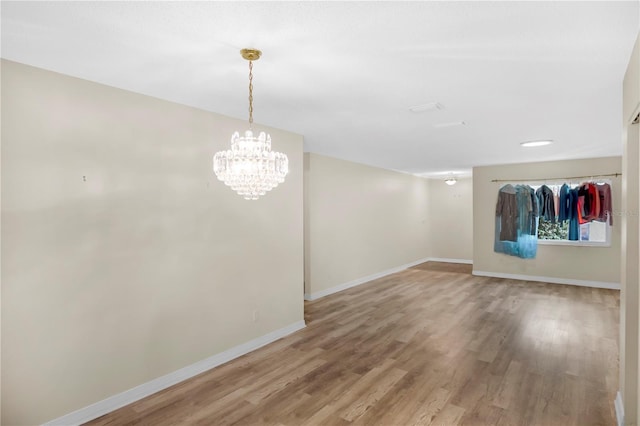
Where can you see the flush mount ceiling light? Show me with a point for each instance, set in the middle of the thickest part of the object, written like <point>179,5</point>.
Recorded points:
<point>451,180</point>
<point>250,167</point>
<point>431,106</point>
<point>532,144</point>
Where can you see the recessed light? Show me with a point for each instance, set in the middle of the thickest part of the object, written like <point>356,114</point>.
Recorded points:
<point>451,124</point>
<point>431,106</point>
<point>531,144</point>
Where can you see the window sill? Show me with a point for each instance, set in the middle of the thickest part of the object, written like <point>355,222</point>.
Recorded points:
<point>574,243</point>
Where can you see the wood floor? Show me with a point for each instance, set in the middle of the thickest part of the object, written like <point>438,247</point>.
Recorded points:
<point>424,346</point>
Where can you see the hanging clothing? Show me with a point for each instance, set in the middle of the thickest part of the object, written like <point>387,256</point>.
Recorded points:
<point>588,203</point>
<point>574,229</point>
<point>583,203</point>
<point>604,194</point>
<point>535,212</point>
<point>507,211</point>
<point>594,200</point>
<point>547,206</point>
<point>516,213</point>
<point>564,203</point>
<point>520,208</point>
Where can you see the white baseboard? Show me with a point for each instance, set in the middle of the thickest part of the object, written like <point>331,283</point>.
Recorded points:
<point>446,260</point>
<point>114,402</point>
<point>619,409</point>
<point>553,280</point>
<point>356,282</point>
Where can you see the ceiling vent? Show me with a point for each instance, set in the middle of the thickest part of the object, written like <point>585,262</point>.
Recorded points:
<point>451,124</point>
<point>432,106</point>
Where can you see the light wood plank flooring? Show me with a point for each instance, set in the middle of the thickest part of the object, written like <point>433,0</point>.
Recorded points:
<point>426,346</point>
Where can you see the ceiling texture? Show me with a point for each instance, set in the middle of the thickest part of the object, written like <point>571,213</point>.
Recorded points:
<point>345,74</point>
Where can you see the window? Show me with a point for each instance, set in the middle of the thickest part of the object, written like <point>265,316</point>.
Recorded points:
<point>593,233</point>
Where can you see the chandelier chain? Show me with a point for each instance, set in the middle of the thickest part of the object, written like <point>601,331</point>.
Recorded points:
<point>251,95</point>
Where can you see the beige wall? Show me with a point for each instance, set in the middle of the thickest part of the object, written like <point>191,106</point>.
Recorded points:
<point>361,221</point>
<point>562,262</point>
<point>451,219</point>
<point>149,265</point>
<point>629,318</point>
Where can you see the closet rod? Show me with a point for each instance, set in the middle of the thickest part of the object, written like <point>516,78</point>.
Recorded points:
<point>557,178</point>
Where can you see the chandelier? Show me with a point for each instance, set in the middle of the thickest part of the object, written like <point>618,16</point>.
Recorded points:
<point>250,167</point>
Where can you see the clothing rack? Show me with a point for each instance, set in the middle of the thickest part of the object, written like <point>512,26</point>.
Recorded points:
<point>558,178</point>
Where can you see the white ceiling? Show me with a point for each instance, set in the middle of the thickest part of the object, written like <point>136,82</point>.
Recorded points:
<point>344,74</point>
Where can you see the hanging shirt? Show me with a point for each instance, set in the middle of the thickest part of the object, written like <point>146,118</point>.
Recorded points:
<point>604,194</point>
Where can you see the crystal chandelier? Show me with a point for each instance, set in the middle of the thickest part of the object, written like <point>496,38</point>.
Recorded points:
<point>250,167</point>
